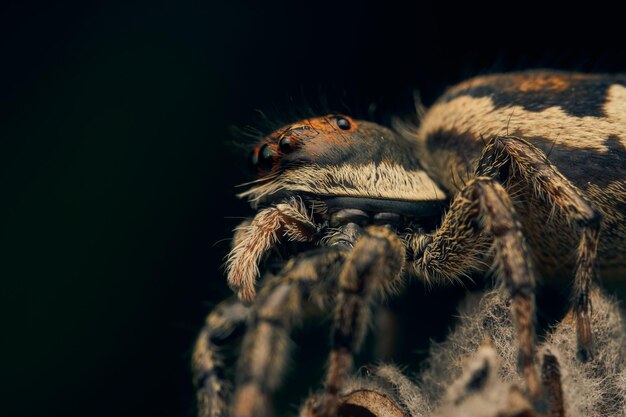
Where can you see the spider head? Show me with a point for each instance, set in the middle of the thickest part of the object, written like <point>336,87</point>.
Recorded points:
<point>321,176</point>
<point>352,170</point>
<point>320,140</point>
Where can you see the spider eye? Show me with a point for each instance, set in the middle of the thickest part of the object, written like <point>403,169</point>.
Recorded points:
<point>266,157</point>
<point>285,145</point>
<point>343,123</point>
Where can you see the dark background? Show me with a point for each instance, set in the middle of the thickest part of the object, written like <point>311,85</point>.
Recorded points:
<point>117,166</point>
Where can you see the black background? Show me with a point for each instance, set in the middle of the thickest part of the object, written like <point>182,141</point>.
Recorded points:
<point>118,170</point>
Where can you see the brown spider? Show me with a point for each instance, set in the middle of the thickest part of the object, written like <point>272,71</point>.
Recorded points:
<point>541,159</point>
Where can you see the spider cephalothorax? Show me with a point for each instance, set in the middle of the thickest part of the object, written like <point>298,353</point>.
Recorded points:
<point>501,171</point>
<point>322,173</point>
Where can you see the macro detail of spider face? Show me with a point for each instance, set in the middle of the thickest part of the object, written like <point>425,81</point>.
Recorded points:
<point>277,149</point>
<point>319,174</point>
<point>349,168</point>
<point>478,186</point>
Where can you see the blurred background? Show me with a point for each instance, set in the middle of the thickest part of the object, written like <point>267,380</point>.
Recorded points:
<point>117,165</point>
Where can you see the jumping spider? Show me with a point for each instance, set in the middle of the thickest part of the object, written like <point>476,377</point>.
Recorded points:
<point>512,173</point>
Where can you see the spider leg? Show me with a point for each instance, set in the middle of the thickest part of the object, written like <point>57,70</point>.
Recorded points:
<point>532,164</point>
<point>277,308</point>
<point>373,266</point>
<point>289,220</point>
<point>206,365</point>
<point>551,381</point>
<point>482,212</point>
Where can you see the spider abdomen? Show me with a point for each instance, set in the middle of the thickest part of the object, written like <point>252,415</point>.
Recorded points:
<point>577,120</point>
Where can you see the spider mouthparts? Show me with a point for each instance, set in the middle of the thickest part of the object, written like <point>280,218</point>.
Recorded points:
<point>369,211</point>
<point>417,209</point>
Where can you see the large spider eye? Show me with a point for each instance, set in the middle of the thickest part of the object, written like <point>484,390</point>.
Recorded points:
<point>266,157</point>
<point>285,145</point>
<point>343,123</point>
